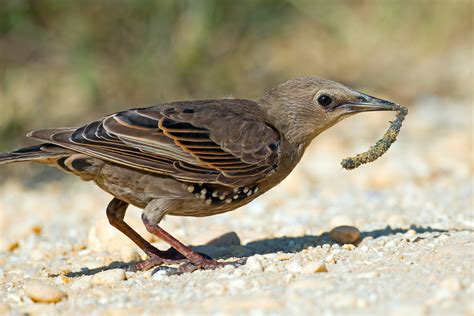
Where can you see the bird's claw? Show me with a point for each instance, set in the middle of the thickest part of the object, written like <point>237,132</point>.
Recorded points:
<point>209,264</point>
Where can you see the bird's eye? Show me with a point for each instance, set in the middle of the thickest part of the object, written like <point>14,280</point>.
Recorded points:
<point>324,100</point>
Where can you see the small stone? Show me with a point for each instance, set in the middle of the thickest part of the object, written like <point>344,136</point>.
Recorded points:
<point>190,188</point>
<point>294,267</point>
<point>368,275</point>
<point>239,271</point>
<point>345,234</point>
<point>129,254</point>
<point>108,277</point>
<point>82,284</point>
<point>229,268</point>
<point>443,237</point>
<point>330,259</point>
<point>43,293</point>
<point>254,264</point>
<point>283,256</point>
<point>348,247</point>
<point>163,272</point>
<point>314,267</point>
<point>93,264</point>
<point>390,244</point>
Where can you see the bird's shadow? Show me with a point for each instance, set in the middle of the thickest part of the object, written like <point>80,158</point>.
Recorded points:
<point>220,248</point>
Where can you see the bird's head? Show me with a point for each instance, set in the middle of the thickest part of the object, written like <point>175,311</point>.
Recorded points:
<point>304,107</point>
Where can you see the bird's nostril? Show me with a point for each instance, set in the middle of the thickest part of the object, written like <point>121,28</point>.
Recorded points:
<point>362,99</point>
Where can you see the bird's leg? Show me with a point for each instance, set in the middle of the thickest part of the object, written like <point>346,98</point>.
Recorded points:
<point>196,260</point>
<point>115,214</point>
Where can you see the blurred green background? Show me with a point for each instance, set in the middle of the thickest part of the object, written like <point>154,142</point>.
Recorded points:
<point>63,63</point>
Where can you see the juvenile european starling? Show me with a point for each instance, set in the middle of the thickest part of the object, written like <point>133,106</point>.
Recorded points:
<point>196,158</point>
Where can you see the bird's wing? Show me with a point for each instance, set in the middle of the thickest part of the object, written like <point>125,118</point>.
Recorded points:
<point>214,141</point>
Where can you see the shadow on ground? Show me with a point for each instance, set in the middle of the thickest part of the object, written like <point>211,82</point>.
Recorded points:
<point>228,246</point>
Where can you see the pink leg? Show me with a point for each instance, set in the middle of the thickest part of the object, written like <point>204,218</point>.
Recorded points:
<point>196,260</point>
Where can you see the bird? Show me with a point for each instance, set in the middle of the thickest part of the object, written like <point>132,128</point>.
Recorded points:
<point>195,158</point>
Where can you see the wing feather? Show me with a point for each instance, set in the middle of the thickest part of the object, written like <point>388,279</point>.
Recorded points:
<point>216,141</point>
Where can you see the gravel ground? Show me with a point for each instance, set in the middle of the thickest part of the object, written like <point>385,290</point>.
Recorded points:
<point>413,207</point>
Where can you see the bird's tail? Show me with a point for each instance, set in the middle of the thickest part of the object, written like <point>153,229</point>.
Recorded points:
<point>40,153</point>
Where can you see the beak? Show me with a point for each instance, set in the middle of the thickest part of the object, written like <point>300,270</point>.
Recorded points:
<point>367,103</point>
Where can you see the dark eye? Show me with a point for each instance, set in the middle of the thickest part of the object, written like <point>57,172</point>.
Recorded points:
<point>324,100</point>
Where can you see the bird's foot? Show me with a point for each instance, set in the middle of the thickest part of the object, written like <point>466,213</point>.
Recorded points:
<point>209,264</point>
<point>156,258</point>
<point>151,262</point>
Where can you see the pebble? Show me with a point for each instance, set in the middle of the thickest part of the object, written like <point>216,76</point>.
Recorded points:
<point>283,256</point>
<point>254,264</point>
<point>390,244</point>
<point>129,254</point>
<point>43,293</point>
<point>330,259</point>
<point>294,267</point>
<point>108,277</point>
<point>314,267</point>
<point>229,268</point>
<point>345,234</point>
<point>82,284</point>
<point>348,247</point>
<point>240,271</point>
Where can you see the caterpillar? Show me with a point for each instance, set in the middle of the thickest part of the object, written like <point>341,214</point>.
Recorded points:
<point>381,146</point>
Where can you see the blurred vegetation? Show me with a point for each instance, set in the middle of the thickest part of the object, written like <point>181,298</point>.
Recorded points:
<point>63,63</point>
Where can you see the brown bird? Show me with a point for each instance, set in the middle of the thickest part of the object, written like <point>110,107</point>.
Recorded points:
<point>196,158</point>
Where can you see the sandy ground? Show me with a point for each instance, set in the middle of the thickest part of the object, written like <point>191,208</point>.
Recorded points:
<point>414,208</point>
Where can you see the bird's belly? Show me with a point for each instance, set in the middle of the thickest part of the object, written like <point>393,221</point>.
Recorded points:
<point>139,189</point>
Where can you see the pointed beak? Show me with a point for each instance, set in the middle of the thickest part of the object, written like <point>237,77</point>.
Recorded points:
<point>367,103</point>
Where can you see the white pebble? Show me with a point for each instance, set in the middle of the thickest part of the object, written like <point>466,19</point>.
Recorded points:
<point>314,267</point>
<point>294,267</point>
<point>229,268</point>
<point>239,271</point>
<point>390,244</point>
<point>129,254</point>
<point>254,264</point>
<point>330,259</point>
<point>283,256</point>
<point>82,284</point>
<point>43,293</point>
<point>108,277</point>
<point>348,247</point>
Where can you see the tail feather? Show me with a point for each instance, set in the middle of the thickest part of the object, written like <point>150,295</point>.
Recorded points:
<point>34,153</point>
